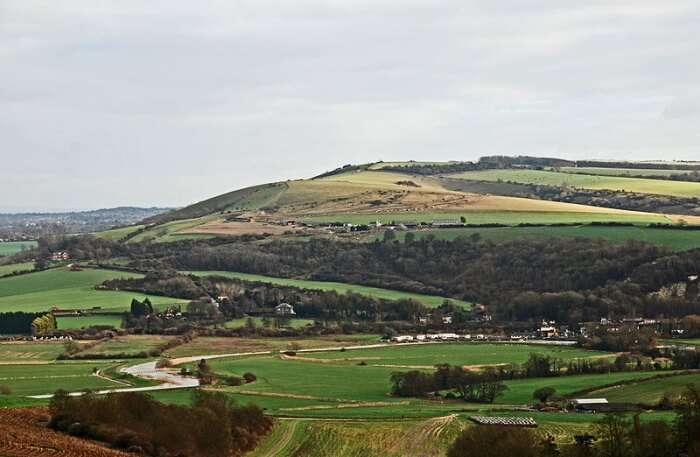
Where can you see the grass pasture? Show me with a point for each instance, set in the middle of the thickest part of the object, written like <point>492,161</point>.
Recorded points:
<point>553,178</point>
<point>26,352</point>
<point>90,320</point>
<point>675,239</point>
<point>43,379</point>
<point>15,267</point>
<point>117,234</point>
<point>13,247</point>
<point>387,294</point>
<point>647,392</point>
<point>40,291</point>
<point>511,217</point>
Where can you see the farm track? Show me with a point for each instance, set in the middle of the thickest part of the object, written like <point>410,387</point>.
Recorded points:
<point>24,434</point>
<point>283,440</point>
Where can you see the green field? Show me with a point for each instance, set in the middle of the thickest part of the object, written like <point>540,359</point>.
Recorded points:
<point>675,239</point>
<point>429,355</point>
<point>90,320</point>
<point>623,171</point>
<point>119,233</point>
<point>387,294</point>
<point>47,378</point>
<point>648,392</point>
<point>15,267</point>
<point>126,345</point>
<point>494,217</point>
<point>29,352</point>
<point>168,231</point>
<point>67,289</point>
<point>553,178</point>
<point>294,323</point>
<point>13,247</point>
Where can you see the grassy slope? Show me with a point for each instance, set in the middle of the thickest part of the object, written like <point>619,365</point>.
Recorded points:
<point>493,217</point>
<point>132,344</point>
<point>119,233</point>
<point>649,186</point>
<point>388,294</point>
<point>622,171</point>
<point>647,392</point>
<point>678,240</point>
<point>66,289</point>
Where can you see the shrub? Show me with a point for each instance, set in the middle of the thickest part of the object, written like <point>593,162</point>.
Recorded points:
<point>5,390</point>
<point>249,377</point>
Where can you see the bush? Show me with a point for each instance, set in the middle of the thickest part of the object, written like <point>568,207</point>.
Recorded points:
<point>249,377</point>
<point>5,390</point>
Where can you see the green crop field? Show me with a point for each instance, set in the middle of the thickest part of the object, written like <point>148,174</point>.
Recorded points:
<point>13,247</point>
<point>494,217</point>
<point>429,355</point>
<point>648,392</point>
<point>258,321</point>
<point>387,294</point>
<point>18,352</point>
<point>67,289</point>
<point>320,375</point>
<point>90,320</point>
<point>675,239</point>
<point>553,178</point>
<point>15,267</point>
<point>520,391</point>
<point>169,231</point>
<point>623,171</point>
<point>43,379</point>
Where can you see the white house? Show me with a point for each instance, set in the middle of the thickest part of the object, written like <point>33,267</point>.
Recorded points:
<point>284,309</point>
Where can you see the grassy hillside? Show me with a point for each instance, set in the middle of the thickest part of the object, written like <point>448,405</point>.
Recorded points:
<point>623,171</point>
<point>430,300</point>
<point>67,289</point>
<point>249,198</point>
<point>678,240</point>
<point>552,178</point>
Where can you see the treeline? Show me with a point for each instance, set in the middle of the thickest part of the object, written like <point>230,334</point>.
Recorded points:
<point>213,426</point>
<point>18,323</point>
<point>485,385</point>
<point>615,435</point>
<point>473,386</point>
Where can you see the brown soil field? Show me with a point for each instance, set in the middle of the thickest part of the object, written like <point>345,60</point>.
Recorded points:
<point>23,433</point>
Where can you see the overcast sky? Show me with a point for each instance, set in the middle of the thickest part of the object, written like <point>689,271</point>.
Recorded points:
<point>106,103</point>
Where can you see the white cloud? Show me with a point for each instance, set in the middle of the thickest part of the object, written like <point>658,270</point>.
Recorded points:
<point>167,102</point>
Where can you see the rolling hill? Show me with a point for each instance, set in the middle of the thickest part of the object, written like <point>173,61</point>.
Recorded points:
<point>384,192</point>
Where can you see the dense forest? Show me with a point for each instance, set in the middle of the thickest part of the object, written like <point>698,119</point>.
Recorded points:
<point>569,280</point>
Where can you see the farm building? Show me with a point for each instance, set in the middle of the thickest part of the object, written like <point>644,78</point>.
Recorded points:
<point>284,309</point>
<point>60,255</point>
